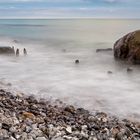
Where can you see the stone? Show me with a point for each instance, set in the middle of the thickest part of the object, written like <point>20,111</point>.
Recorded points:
<point>3,133</point>
<point>70,109</point>
<point>63,122</point>
<point>28,129</point>
<point>104,119</point>
<point>5,126</point>
<point>69,130</point>
<point>23,136</point>
<point>91,119</point>
<point>128,47</point>
<point>82,111</point>
<point>36,133</point>
<point>28,115</point>
<point>13,129</point>
<point>17,136</point>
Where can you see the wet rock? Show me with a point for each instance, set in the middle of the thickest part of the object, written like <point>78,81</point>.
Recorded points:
<point>104,50</point>
<point>82,111</point>
<point>70,109</point>
<point>7,50</point>
<point>127,48</point>
<point>109,72</point>
<point>129,69</point>
<point>77,61</point>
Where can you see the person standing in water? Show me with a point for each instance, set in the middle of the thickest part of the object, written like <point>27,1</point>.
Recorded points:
<point>24,51</point>
<point>17,52</point>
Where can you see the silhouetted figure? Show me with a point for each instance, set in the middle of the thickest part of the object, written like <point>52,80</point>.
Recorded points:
<point>17,52</point>
<point>77,61</point>
<point>24,51</point>
<point>129,69</point>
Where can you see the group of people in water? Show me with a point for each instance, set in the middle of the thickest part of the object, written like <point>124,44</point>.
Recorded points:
<point>24,52</point>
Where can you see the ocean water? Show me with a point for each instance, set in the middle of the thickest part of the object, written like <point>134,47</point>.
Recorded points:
<point>49,71</point>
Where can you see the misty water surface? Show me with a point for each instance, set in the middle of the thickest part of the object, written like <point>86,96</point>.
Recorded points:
<point>49,70</point>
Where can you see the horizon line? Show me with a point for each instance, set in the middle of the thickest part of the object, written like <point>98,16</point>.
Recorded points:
<point>45,18</point>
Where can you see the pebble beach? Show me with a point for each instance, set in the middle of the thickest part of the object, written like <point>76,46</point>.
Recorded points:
<point>27,118</point>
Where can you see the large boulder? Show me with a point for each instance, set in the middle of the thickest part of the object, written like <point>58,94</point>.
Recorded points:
<point>128,47</point>
<point>7,50</point>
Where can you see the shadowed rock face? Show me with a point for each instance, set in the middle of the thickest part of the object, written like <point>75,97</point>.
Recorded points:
<point>128,47</point>
<point>7,50</point>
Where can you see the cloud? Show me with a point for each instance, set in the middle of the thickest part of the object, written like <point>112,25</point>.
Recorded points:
<point>69,8</point>
<point>121,1</point>
<point>11,1</point>
<point>53,1</point>
<point>110,1</point>
<point>70,13</point>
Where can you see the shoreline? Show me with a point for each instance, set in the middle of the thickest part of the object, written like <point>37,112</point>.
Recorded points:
<point>26,118</point>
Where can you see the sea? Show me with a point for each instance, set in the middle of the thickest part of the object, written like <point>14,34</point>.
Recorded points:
<point>49,70</point>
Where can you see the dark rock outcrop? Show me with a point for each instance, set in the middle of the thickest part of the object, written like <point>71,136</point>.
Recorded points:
<point>128,47</point>
<point>104,50</point>
<point>7,50</point>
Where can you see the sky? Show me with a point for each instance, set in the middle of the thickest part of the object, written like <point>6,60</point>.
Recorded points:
<point>69,8</point>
